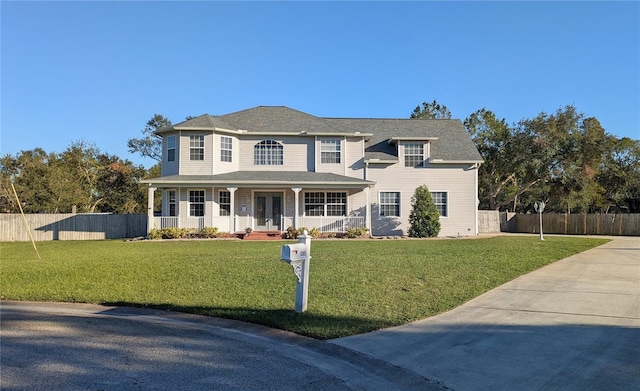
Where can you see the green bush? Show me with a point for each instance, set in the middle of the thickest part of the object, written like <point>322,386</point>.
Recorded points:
<point>292,233</point>
<point>170,233</point>
<point>209,232</point>
<point>424,217</point>
<point>155,234</point>
<point>353,232</point>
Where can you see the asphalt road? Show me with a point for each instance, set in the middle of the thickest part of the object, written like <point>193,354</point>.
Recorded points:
<point>51,346</point>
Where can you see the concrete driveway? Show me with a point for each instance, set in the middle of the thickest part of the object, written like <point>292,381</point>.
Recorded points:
<point>572,325</point>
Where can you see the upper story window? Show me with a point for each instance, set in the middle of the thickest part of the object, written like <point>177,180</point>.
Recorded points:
<point>330,151</point>
<point>171,148</point>
<point>413,154</point>
<point>440,202</point>
<point>268,153</point>
<point>226,149</point>
<point>196,147</point>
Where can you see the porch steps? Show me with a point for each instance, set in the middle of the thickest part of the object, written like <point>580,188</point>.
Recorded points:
<point>263,235</point>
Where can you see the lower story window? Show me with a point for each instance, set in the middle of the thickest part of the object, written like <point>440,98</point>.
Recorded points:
<point>225,203</point>
<point>331,203</point>
<point>336,204</point>
<point>196,203</point>
<point>171,196</point>
<point>314,203</point>
<point>440,201</point>
<point>390,203</point>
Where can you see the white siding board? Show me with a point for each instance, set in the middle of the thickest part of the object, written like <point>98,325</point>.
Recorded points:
<point>196,167</point>
<point>457,180</point>
<point>220,167</point>
<point>295,152</point>
<point>167,167</point>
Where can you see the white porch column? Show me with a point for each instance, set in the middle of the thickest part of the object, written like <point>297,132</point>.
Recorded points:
<point>150,201</point>
<point>296,191</point>
<point>367,219</point>
<point>232,209</point>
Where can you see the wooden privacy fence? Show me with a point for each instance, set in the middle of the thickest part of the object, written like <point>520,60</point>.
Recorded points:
<point>560,223</point>
<point>580,224</point>
<point>70,226</point>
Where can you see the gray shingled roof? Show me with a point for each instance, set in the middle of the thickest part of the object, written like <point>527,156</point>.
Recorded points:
<point>453,142</point>
<point>263,178</point>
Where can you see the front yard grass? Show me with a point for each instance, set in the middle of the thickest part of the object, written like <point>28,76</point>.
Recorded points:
<point>355,286</point>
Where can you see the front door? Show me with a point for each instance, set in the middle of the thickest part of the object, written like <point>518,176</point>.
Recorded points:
<point>268,211</point>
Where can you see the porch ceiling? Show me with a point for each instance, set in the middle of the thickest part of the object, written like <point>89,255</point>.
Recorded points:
<point>261,179</point>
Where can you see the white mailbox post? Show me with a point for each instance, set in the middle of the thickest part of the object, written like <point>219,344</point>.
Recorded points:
<point>298,256</point>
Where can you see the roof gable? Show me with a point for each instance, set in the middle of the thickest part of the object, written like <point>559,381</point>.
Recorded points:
<point>276,119</point>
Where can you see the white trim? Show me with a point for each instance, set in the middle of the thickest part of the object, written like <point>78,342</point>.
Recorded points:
<point>168,202</point>
<point>324,204</point>
<point>380,216</point>
<point>204,202</point>
<point>446,204</point>
<point>220,202</point>
<point>204,149</point>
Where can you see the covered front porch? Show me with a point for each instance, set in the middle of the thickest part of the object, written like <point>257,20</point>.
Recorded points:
<point>261,201</point>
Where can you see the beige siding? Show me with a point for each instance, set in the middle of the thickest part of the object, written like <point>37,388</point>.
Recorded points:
<point>196,167</point>
<point>167,167</point>
<point>351,162</point>
<point>354,157</point>
<point>458,181</point>
<point>220,167</point>
<point>295,154</point>
<point>334,168</point>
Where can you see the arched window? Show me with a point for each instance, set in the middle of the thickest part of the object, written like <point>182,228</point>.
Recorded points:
<point>267,153</point>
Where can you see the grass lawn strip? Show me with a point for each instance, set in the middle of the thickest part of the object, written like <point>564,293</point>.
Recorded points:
<point>355,286</point>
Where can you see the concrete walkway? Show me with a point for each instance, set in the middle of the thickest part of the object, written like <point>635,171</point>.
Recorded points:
<point>572,325</point>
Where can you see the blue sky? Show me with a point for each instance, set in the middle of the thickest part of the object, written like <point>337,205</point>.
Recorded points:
<point>97,71</point>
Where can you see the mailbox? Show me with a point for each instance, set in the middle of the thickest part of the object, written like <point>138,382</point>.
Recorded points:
<point>293,252</point>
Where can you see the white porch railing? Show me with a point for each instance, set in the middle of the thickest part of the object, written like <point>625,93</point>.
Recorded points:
<point>224,223</point>
<point>331,223</point>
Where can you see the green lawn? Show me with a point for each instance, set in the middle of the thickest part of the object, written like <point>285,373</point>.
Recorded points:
<point>355,285</point>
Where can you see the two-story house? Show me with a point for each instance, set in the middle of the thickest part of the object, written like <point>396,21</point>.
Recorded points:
<point>268,168</point>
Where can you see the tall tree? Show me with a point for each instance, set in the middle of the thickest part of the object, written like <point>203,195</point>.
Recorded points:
<point>29,172</point>
<point>620,175</point>
<point>432,110</point>
<point>505,173</point>
<point>117,185</point>
<point>81,178</point>
<point>150,145</point>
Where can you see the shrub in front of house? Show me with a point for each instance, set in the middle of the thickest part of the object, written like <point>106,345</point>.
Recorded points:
<point>353,233</point>
<point>210,232</point>
<point>183,233</point>
<point>424,217</point>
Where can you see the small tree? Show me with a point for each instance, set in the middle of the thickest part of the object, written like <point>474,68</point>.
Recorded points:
<point>424,217</point>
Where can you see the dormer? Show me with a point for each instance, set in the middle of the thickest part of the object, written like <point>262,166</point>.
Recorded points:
<point>413,151</point>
